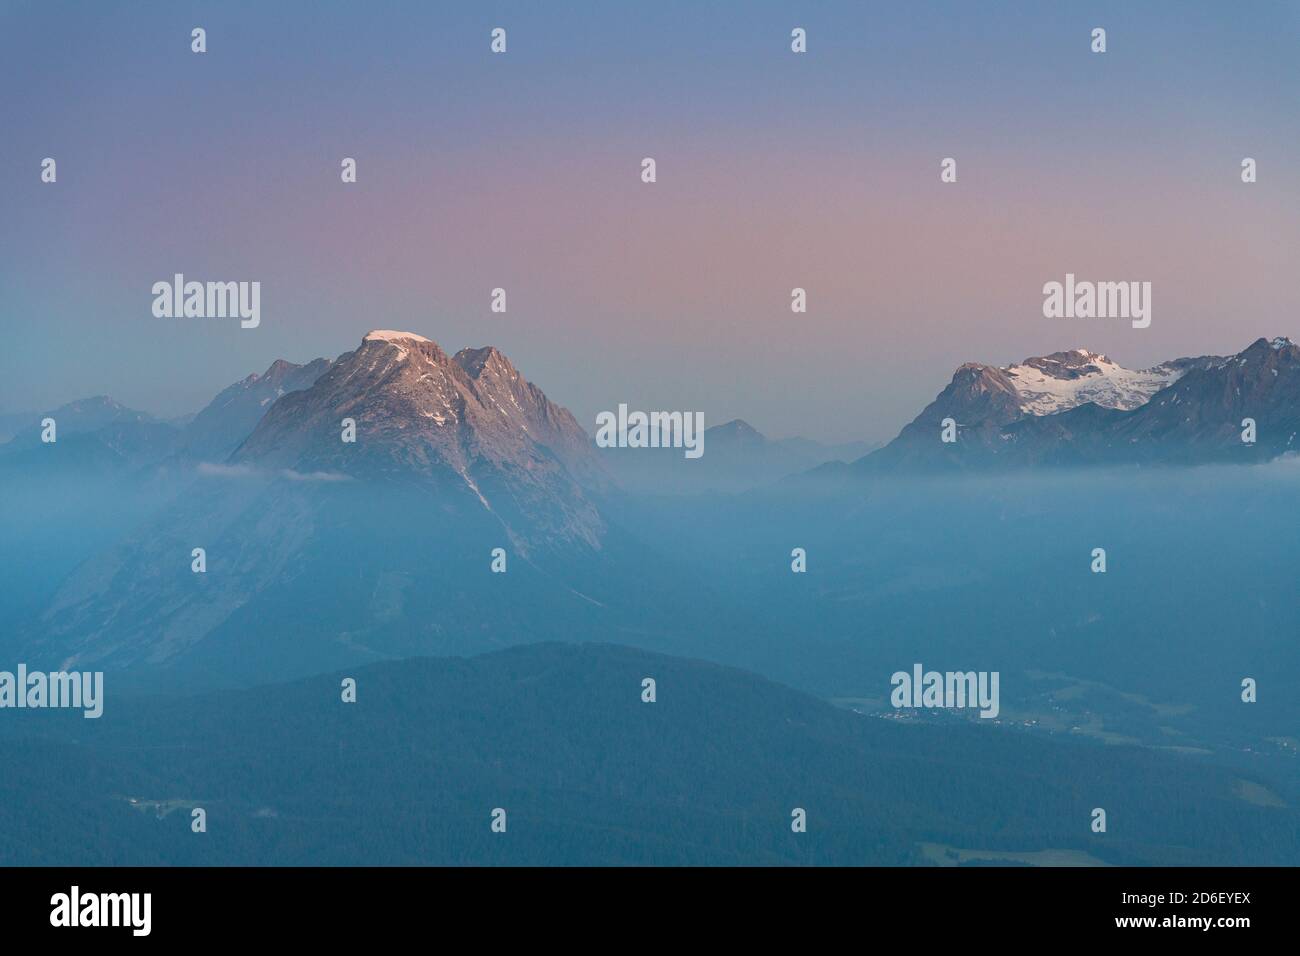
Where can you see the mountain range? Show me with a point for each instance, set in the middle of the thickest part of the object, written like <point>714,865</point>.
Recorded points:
<point>1080,408</point>
<point>471,420</point>
<point>100,434</point>
<point>380,547</point>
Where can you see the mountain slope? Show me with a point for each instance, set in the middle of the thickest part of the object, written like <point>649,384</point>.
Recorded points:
<point>228,419</point>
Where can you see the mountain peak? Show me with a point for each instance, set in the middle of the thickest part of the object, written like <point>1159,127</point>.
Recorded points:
<point>1079,406</point>
<point>1053,383</point>
<point>280,367</point>
<point>95,401</point>
<point>1277,344</point>
<point>101,408</point>
<point>232,415</point>
<point>389,335</point>
<point>404,343</point>
<point>277,369</point>
<point>737,429</point>
<point>473,424</point>
<point>476,361</point>
<point>1264,350</point>
<point>1080,357</point>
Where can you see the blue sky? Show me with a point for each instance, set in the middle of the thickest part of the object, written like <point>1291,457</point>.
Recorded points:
<point>521,171</point>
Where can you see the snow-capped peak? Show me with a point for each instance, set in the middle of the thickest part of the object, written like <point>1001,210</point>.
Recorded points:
<point>1060,381</point>
<point>1095,357</point>
<point>388,335</point>
<point>1280,343</point>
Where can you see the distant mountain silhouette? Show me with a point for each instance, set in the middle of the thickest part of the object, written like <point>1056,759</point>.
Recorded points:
<point>736,457</point>
<point>93,435</point>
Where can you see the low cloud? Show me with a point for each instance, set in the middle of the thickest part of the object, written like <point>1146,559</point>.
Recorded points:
<point>314,475</point>
<point>212,470</point>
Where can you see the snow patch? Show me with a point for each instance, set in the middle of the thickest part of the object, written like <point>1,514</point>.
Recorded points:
<point>1100,381</point>
<point>388,335</point>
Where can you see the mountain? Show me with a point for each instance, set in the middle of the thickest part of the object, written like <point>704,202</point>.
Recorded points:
<point>228,419</point>
<point>470,427</point>
<point>95,434</point>
<point>92,414</point>
<point>558,736</point>
<point>736,457</point>
<point>1064,380</point>
<point>322,553</point>
<point>100,434</point>
<point>1079,408</point>
<point>736,435</point>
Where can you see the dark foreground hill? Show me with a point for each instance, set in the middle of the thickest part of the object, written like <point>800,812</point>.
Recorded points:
<point>558,736</point>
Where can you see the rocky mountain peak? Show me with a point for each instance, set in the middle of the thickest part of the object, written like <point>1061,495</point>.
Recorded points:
<point>280,368</point>
<point>471,424</point>
<point>488,359</point>
<point>737,430</point>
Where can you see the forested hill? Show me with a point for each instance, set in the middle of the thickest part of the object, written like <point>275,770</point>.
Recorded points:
<point>588,773</point>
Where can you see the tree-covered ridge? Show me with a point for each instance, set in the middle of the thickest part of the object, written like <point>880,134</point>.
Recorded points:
<point>558,735</point>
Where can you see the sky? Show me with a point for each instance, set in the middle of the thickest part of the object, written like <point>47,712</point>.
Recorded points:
<point>522,170</point>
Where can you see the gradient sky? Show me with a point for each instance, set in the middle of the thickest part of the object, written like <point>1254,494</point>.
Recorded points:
<point>522,171</point>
